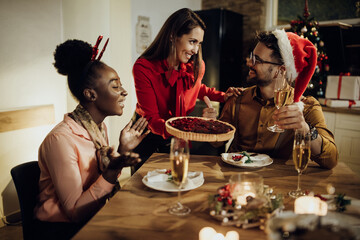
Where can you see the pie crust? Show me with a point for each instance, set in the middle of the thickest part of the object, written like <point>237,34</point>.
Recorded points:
<point>201,137</point>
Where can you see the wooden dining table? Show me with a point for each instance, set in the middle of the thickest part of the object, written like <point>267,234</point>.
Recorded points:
<point>139,212</point>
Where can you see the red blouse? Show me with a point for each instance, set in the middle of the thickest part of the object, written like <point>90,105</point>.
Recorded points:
<point>160,98</point>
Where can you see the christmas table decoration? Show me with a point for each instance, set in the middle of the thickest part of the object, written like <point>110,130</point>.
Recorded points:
<point>254,213</point>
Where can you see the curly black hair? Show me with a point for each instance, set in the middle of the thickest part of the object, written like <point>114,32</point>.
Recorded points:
<point>73,59</point>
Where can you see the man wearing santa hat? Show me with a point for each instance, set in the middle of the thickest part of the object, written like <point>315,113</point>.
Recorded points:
<point>251,113</point>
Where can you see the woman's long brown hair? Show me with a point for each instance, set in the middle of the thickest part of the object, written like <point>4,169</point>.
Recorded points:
<point>179,23</point>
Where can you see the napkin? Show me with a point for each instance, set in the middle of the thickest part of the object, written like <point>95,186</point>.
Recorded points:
<point>159,175</point>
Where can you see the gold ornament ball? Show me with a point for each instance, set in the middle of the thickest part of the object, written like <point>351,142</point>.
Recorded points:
<point>304,29</point>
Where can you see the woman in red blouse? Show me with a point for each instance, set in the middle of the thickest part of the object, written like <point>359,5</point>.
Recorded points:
<point>168,78</point>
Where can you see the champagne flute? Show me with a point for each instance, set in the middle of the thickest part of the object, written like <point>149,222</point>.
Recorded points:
<point>301,157</point>
<point>179,160</point>
<point>281,94</point>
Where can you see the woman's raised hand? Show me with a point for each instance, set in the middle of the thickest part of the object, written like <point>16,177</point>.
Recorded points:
<point>132,135</point>
<point>209,112</point>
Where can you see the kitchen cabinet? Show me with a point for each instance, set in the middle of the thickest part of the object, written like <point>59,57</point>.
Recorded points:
<point>346,129</point>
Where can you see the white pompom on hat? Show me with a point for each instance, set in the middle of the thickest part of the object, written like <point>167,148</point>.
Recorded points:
<point>300,59</point>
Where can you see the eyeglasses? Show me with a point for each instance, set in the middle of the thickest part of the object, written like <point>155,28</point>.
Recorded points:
<point>255,60</point>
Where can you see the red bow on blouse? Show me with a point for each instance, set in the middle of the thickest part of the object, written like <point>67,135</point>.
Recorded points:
<point>184,79</point>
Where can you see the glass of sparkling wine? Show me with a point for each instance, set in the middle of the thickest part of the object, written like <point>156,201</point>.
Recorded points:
<point>281,94</point>
<point>301,157</point>
<point>179,160</point>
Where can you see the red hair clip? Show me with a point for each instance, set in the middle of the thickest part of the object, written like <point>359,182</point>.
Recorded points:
<point>95,49</point>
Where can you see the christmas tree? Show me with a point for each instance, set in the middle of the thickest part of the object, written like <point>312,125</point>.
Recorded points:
<point>308,28</point>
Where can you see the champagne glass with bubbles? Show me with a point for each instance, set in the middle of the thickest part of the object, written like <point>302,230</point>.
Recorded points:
<point>281,94</point>
<point>179,160</point>
<point>301,157</point>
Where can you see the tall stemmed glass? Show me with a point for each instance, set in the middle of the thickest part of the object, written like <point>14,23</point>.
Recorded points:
<point>179,160</point>
<point>301,157</point>
<point>281,94</point>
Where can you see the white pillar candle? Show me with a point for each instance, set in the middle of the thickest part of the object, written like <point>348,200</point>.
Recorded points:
<point>206,233</point>
<point>232,235</point>
<point>310,205</point>
<point>218,236</point>
<point>209,233</point>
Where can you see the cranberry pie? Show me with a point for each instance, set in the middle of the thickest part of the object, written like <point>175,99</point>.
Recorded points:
<point>200,129</point>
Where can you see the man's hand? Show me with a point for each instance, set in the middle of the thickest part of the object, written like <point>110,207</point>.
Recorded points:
<point>209,112</point>
<point>290,117</point>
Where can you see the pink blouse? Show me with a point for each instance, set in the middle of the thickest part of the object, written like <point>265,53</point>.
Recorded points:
<point>71,188</point>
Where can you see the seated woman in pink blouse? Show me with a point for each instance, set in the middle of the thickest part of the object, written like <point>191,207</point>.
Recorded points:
<point>79,170</point>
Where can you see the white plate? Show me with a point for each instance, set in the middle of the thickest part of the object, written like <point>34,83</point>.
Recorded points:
<point>197,179</point>
<point>259,160</point>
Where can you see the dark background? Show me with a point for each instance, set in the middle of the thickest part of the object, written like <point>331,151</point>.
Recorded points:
<point>322,10</point>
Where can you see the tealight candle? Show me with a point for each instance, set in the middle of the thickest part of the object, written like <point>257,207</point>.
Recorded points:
<point>245,184</point>
<point>232,235</point>
<point>242,198</point>
<point>218,236</point>
<point>310,205</point>
<point>208,233</point>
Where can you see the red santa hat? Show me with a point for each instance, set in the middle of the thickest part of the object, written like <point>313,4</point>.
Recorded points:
<point>300,59</point>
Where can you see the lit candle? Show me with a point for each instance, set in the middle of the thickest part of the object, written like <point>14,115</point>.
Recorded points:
<point>232,235</point>
<point>242,198</point>
<point>218,236</point>
<point>310,205</point>
<point>245,184</point>
<point>208,233</point>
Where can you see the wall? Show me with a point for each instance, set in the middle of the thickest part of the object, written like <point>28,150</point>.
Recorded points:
<point>254,16</point>
<point>120,58</point>
<point>29,34</point>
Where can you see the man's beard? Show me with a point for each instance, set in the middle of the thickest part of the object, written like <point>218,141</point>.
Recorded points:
<point>261,82</point>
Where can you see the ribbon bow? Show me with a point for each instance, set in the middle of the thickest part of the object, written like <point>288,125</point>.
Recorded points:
<point>184,79</point>
<point>340,82</point>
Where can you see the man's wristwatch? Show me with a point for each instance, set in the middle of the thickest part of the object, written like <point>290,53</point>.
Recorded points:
<point>314,133</point>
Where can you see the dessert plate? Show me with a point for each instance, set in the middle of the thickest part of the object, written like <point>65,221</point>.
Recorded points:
<point>258,160</point>
<point>158,180</point>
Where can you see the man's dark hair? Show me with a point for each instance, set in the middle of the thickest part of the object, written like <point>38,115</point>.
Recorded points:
<point>270,41</point>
